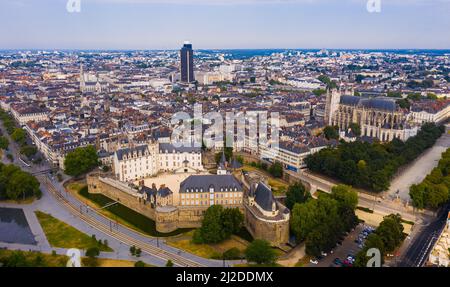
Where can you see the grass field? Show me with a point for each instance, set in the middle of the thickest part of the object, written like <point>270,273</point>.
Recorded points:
<point>279,186</point>
<point>119,212</point>
<point>214,251</point>
<point>60,234</point>
<point>103,262</point>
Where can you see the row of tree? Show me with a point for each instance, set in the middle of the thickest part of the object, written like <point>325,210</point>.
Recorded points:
<point>275,169</point>
<point>322,222</point>
<point>17,184</point>
<point>386,238</point>
<point>433,191</point>
<point>372,165</point>
<point>17,134</point>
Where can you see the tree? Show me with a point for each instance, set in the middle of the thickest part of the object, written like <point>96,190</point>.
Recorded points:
<point>372,241</point>
<point>19,136</point>
<point>139,264</point>
<point>331,132</point>
<point>138,252</point>
<point>133,250</point>
<point>212,230</point>
<point>319,92</point>
<point>232,220</point>
<point>4,143</point>
<point>356,129</point>
<point>92,254</point>
<point>232,254</point>
<point>218,224</point>
<point>345,195</point>
<point>276,170</point>
<point>296,193</point>
<point>80,161</point>
<point>404,103</point>
<point>28,150</point>
<point>169,263</point>
<point>22,185</point>
<point>261,252</point>
<point>391,232</point>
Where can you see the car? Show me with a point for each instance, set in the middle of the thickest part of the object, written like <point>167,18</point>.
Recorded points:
<point>337,261</point>
<point>360,246</point>
<point>314,261</point>
<point>347,263</point>
<point>324,254</point>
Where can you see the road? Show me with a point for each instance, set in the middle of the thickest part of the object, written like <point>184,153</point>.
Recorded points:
<point>416,171</point>
<point>374,202</point>
<point>418,251</point>
<point>64,206</point>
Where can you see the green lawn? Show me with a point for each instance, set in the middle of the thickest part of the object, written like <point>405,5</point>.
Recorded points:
<point>210,250</point>
<point>126,215</point>
<point>12,258</point>
<point>60,234</point>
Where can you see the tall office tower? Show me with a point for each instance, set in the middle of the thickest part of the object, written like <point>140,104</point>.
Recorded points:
<point>187,63</point>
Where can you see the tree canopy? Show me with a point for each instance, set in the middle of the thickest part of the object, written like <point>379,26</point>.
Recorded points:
<point>433,191</point>
<point>16,184</point>
<point>386,238</point>
<point>81,160</point>
<point>331,132</point>
<point>320,222</point>
<point>296,193</point>
<point>372,165</point>
<point>218,224</point>
<point>260,252</point>
<point>276,170</point>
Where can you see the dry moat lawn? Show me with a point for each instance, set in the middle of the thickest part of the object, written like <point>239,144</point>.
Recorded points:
<point>185,243</point>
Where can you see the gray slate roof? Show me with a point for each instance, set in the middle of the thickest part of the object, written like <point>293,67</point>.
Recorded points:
<point>264,197</point>
<point>125,151</point>
<point>204,182</point>
<point>379,103</point>
<point>170,148</point>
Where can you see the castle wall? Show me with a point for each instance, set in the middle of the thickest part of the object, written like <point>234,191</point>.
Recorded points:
<point>170,218</point>
<point>136,204</point>
<point>276,232</point>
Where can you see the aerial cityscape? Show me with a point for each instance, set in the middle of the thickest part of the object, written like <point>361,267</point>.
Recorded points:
<point>191,156</point>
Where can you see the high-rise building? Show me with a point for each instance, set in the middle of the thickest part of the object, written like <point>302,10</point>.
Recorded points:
<point>187,63</point>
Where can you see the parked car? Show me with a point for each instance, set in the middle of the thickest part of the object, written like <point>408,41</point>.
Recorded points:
<point>314,261</point>
<point>337,261</point>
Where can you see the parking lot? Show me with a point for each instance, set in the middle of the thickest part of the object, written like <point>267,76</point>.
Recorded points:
<point>347,247</point>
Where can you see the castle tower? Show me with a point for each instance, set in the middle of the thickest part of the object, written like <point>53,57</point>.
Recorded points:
<point>331,105</point>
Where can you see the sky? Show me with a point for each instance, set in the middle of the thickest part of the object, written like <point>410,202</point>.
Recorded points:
<point>224,24</point>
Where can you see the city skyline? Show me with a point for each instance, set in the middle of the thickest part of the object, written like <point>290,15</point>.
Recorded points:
<point>238,24</point>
